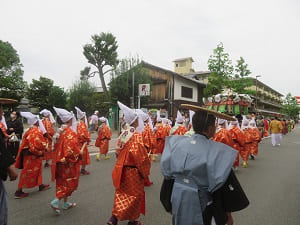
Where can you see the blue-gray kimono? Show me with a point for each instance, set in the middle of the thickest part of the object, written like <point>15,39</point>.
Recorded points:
<point>200,167</point>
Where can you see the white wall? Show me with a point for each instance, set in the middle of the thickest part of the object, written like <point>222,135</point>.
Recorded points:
<point>182,82</point>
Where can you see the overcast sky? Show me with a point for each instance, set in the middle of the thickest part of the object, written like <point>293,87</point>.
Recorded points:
<point>49,34</point>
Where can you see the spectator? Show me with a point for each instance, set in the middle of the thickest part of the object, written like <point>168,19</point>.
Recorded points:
<point>93,121</point>
<point>14,125</point>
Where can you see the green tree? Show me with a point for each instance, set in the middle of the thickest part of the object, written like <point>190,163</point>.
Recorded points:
<point>57,97</point>
<point>241,80</point>
<point>121,83</point>
<point>43,94</point>
<point>12,84</point>
<point>83,95</point>
<point>101,53</point>
<point>221,71</point>
<point>290,106</point>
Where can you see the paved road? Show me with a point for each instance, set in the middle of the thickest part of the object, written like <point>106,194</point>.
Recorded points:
<point>271,183</point>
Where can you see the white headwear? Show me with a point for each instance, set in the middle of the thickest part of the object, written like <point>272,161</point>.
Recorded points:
<point>3,121</point>
<point>103,120</point>
<point>65,116</point>
<point>192,113</point>
<point>165,121</point>
<point>158,118</point>
<point>129,114</point>
<point>252,124</point>
<point>33,119</point>
<point>141,117</point>
<point>46,112</point>
<point>179,118</point>
<point>81,114</point>
<point>96,112</point>
<point>245,123</point>
<point>234,123</point>
<point>222,121</point>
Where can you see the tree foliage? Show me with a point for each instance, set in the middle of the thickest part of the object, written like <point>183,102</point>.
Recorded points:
<point>12,84</point>
<point>290,106</point>
<point>101,53</point>
<point>225,76</point>
<point>121,83</point>
<point>241,80</point>
<point>221,70</point>
<point>83,95</point>
<point>43,93</point>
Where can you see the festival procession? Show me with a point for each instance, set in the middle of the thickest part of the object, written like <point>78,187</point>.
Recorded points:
<point>149,113</point>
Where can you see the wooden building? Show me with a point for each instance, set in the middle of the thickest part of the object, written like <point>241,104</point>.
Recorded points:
<point>170,89</point>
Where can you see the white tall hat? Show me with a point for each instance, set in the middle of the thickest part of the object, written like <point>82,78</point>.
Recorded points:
<point>46,112</point>
<point>223,121</point>
<point>65,116</point>
<point>81,114</point>
<point>33,119</point>
<point>192,113</point>
<point>129,114</point>
<point>234,123</point>
<point>245,122</point>
<point>142,117</point>
<point>103,120</point>
<point>179,118</point>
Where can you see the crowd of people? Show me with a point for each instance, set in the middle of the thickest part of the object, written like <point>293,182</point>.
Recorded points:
<point>142,138</point>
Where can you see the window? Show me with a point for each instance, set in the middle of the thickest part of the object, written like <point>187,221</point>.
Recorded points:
<point>186,92</point>
<point>176,64</point>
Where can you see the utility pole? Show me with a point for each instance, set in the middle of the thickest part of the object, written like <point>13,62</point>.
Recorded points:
<point>133,89</point>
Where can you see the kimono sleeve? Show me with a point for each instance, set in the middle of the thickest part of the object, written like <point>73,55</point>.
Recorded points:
<point>37,143</point>
<point>219,162</point>
<point>165,161</point>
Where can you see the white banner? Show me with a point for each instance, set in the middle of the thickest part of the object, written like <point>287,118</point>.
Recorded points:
<point>144,89</point>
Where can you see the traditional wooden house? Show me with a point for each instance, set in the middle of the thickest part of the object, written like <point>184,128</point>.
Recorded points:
<point>170,89</point>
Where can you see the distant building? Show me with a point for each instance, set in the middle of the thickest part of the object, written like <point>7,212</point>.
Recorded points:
<point>170,89</point>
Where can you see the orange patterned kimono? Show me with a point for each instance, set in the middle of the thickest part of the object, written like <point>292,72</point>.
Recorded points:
<point>66,171</point>
<point>132,167</point>
<point>181,130</point>
<point>160,135</point>
<point>256,138</point>
<point>224,137</point>
<point>103,138</point>
<point>238,139</point>
<point>245,151</point>
<point>167,129</point>
<point>84,137</point>
<point>29,158</point>
<point>147,138</point>
<point>50,132</point>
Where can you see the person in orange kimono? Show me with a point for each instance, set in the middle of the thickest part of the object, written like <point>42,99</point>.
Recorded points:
<point>179,128</point>
<point>256,138</point>
<point>160,135</point>
<point>222,133</point>
<point>30,156</point>
<point>84,139</point>
<point>66,168</point>
<point>131,168</point>
<point>166,126</point>
<point>48,121</point>
<point>102,141</point>
<point>238,139</point>
<point>148,141</point>
<point>245,151</point>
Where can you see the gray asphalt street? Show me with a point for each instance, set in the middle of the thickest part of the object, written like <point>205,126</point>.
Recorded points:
<point>271,183</point>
